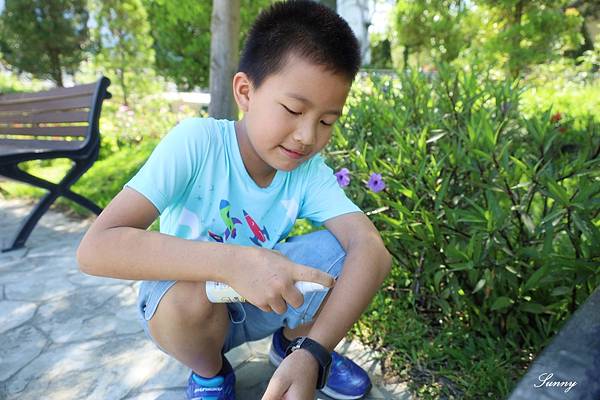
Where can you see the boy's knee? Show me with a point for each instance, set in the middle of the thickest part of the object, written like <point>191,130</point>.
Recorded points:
<point>190,303</point>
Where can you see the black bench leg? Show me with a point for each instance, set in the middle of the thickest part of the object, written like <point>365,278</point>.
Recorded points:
<point>31,221</point>
<point>55,190</point>
<point>82,201</point>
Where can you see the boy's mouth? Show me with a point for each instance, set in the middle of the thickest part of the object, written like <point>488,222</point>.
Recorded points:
<point>291,153</point>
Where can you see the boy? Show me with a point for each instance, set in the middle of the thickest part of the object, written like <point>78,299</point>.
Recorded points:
<point>227,193</point>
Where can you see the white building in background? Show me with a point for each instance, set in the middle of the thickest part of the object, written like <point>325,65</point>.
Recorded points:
<point>358,15</point>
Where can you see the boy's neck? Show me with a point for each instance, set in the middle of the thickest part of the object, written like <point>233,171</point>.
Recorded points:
<point>249,158</point>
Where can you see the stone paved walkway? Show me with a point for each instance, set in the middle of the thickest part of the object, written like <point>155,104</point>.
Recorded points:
<point>66,335</point>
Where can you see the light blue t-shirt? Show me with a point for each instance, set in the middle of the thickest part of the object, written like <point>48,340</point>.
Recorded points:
<point>197,181</point>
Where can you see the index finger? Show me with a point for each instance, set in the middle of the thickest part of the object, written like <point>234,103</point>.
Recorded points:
<point>275,390</point>
<point>304,273</point>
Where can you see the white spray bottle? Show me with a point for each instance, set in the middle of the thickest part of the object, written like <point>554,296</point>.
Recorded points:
<point>218,292</point>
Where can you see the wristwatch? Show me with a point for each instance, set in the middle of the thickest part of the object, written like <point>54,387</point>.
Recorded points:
<point>319,352</point>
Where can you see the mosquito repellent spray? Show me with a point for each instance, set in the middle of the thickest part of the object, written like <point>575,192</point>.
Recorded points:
<point>218,292</point>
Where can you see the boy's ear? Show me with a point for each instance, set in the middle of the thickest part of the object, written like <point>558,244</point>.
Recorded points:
<point>242,87</point>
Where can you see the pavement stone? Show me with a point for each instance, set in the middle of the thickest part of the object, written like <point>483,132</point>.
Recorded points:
<point>67,335</point>
<point>14,313</point>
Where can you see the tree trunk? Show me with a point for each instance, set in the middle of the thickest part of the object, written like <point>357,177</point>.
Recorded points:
<point>224,57</point>
<point>516,45</point>
<point>56,69</point>
<point>58,78</point>
<point>121,73</point>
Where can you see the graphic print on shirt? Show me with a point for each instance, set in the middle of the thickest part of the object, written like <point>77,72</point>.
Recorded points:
<point>190,223</point>
<point>291,207</point>
<point>259,234</point>
<point>215,237</point>
<point>230,230</point>
<point>224,209</point>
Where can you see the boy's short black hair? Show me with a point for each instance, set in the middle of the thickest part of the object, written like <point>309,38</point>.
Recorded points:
<point>304,28</point>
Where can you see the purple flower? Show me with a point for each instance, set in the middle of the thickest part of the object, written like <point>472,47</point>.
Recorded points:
<point>375,183</point>
<point>343,177</point>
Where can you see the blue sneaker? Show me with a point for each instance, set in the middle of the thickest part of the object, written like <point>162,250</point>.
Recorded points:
<point>221,387</point>
<point>346,381</point>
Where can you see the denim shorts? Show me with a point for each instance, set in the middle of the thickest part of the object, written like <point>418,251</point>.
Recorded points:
<point>318,249</point>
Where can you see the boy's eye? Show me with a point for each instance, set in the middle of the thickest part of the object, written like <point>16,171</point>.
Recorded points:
<point>290,111</point>
<point>299,113</point>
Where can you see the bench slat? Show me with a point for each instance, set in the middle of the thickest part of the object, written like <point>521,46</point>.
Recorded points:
<point>46,131</point>
<point>23,113</point>
<point>46,117</point>
<point>83,101</point>
<point>16,146</point>
<point>57,93</point>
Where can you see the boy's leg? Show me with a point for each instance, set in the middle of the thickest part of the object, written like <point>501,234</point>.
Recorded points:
<point>190,328</point>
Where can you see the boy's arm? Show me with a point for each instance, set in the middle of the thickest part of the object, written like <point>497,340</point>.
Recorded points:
<point>117,245</point>
<point>366,265</point>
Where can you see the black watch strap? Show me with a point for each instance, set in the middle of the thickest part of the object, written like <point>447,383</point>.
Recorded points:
<point>319,352</point>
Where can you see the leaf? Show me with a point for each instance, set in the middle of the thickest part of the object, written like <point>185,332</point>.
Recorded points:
<point>519,185</point>
<point>582,224</point>
<point>482,154</point>
<point>475,205</point>
<point>511,270</point>
<point>446,309</point>
<point>560,291</point>
<point>520,164</point>
<point>533,308</point>
<point>535,278</point>
<point>391,221</point>
<point>442,192</point>
<point>461,266</point>
<point>558,193</point>
<point>501,303</point>
<point>552,216</point>
<point>437,137</point>
<point>479,286</point>
<point>437,277</point>
<point>528,222</point>
<point>406,191</point>
<point>549,142</point>
<point>549,240</point>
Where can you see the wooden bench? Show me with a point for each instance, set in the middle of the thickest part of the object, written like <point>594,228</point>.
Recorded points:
<point>58,123</point>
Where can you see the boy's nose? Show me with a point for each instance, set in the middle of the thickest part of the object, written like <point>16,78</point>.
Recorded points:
<point>306,135</point>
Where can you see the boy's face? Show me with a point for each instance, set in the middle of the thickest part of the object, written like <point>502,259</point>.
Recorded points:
<point>288,118</point>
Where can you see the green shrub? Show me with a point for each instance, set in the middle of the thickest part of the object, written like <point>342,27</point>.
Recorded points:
<point>492,218</point>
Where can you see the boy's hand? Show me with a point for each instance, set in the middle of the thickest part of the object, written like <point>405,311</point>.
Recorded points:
<point>267,281</point>
<point>294,379</point>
